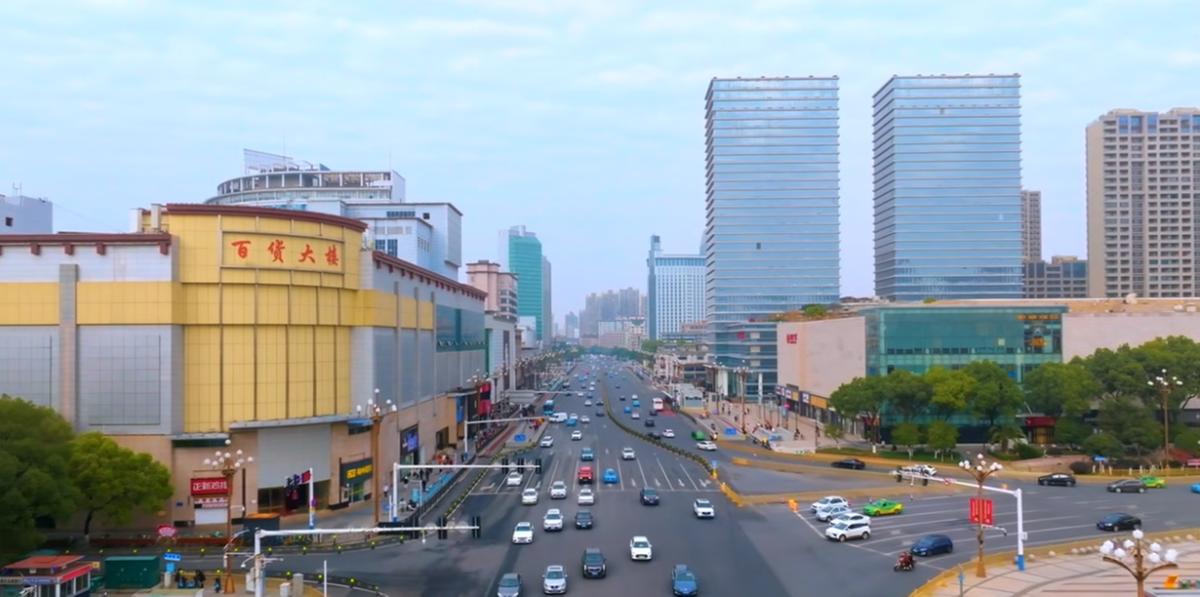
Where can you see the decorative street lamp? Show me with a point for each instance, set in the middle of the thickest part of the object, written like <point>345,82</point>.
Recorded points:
<point>980,470</point>
<point>742,372</point>
<point>1165,384</point>
<point>228,464</point>
<point>376,411</point>
<point>1140,557</point>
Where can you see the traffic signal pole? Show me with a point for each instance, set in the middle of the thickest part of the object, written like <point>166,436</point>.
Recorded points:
<point>397,467</point>
<point>1013,492</point>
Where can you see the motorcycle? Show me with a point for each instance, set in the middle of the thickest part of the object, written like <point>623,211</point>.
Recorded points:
<point>904,564</point>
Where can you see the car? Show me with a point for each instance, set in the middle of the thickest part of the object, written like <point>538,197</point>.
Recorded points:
<point>622,398</point>
<point>610,476</point>
<point>699,435</point>
<point>683,581</point>
<point>649,422</point>
<point>703,508</point>
<point>599,414</point>
<point>851,517</point>
<point>636,403</point>
<point>1119,521</point>
<point>829,500</point>
<point>668,432</point>
<point>633,396</point>
<point>1153,482</point>
<point>931,545</point>
<point>576,435</point>
<point>850,463</point>
<point>828,513</point>
<point>547,442</point>
<point>529,497</point>
<point>1195,487</point>
<point>1063,479</point>
<point>640,548</point>
<point>654,435</point>
<point>843,530</point>
<point>587,455</point>
<point>584,520</point>
<point>883,507</point>
<point>558,490</point>
<point>649,496</point>
<point>924,470</point>
<point>707,446</point>
<point>580,394</point>
<point>1127,486</point>
<point>628,454</point>
<point>599,403</point>
<point>513,479</point>
<point>594,564</point>
<point>587,402</point>
<point>509,586</point>
<point>572,421</point>
<point>653,413</point>
<point>553,520</point>
<point>585,475</point>
<point>585,420</point>
<point>635,415</point>
<point>554,580</point>
<point>523,533</point>
<point>628,410</point>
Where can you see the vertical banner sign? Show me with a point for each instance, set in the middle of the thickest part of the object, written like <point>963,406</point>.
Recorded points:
<point>981,511</point>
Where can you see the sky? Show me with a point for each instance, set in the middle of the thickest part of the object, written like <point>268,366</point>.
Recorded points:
<point>583,121</point>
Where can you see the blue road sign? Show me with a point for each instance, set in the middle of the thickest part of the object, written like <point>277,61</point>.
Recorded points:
<point>172,557</point>
<point>520,437</point>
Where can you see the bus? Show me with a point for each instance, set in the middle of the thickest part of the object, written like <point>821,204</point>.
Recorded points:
<point>548,408</point>
<point>657,403</point>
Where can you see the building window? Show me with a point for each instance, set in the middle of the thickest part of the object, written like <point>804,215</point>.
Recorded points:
<point>8,221</point>
<point>425,215</point>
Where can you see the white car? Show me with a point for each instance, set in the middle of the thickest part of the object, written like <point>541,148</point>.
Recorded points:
<point>628,454</point>
<point>576,435</point>
<point>633,396</point>
<point>703,508</point>
<point>842,530</point>
<point>587,402</point>
<point>547,442</point>
<point>574,416</point>
<point>529,497</point>
<point>586,497</point>
<point>584,419</point>
<point>558,490</point>
<point>707,446</point>
<point>851,517</point>
<point>921,469</point>
<point>580,394</point>
<point>829,512</point>
<point>640,548</point>
<point>636,415</point>
<point>553,521</point>
<point>668,432</point>
<point>827,501</point>
<point>523,533</point>
<point>513,479</point>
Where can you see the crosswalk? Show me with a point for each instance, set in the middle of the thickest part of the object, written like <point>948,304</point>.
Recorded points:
<point>632,475</point>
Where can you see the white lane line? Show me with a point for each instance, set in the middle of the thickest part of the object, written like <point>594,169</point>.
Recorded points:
<point>689,476</point>
<point>645,483</point>
<point>662,468</point>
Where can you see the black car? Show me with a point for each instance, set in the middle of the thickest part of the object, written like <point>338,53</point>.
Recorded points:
<point>1127,486</point>
<point>584,520</point>
<point>649,497</point>
<point>622,399</point>
<point>1119,522</point>
<point>931,545</point>
<point>654,435</point>
<point>649,423</point>
<point>1064,479</point>
<point>594,564</point>
<point>653,413</point>
<point>599,413</point>
<point>850,463</point>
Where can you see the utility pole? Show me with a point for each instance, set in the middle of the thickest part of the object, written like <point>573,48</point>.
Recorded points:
<point>980,471</point>
<point>1165,384</point>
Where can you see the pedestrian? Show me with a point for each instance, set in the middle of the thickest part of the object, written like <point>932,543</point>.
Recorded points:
<point>200,578</point>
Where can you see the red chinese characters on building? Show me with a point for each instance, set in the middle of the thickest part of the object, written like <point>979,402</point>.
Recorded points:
<point>331,256</point>
<point>276,250</point>
<point>307,254</point>
<point>243,248</point>
<point>209,486</point>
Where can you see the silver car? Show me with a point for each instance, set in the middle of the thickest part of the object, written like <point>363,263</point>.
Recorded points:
<point>554,581</point>
<point>510,585</point>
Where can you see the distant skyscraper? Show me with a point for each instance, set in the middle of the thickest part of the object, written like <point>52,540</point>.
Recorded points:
<point>948,187</point>
<point>676,291</point>
<point>771,234</point>
<point>1031,224</point>
<point>1142,192</point>
<point>524,258</point>
<point>547,312</point>
<point>609,305</point>
<point>571,325</point>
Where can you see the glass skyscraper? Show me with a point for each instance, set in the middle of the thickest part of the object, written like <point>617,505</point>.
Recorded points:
<point>771,234</point>
<point>523,251</point>
<point>948,187</point>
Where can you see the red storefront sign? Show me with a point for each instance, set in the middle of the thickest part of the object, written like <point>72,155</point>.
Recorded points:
<point>1039,421</point>
<point>981,510</point>
<point>792,338</point>
<point>209,486</point>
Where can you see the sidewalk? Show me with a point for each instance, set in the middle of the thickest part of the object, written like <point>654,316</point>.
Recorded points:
<point>796,434</point>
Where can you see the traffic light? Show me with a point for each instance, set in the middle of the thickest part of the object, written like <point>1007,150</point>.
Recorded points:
<point>504,465</point>
<point>476,522</point>
<point>521,462</point>
<point>537,466</point>
<point>925,481</point>
<point>441,532</point>
<point>404,479</point>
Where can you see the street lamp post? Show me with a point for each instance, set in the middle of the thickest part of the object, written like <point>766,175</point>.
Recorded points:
<point>742,373</point>
<point>376,411</point>
<point>1165,384</point>
<point>1140,557</point>
<point>980,470</point>
<point>228,464</point>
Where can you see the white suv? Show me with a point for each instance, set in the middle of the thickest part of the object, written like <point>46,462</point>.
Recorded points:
<point>523,533</point>
<point>703,508</point>
<point>640,548</point>
<point>529,497</point>
<point>553,521</point>
<point>842,530</point>
<point>628,454</point>
<point>558,490</point>
<point>586,497</point>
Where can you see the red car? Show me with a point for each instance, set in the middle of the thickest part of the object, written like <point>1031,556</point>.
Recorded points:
<point>586,475</point>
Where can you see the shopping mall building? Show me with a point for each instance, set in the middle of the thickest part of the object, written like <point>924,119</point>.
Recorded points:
<point>266,328</point>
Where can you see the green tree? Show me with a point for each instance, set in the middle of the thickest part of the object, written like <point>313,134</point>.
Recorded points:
<point>1130,422</point>
<point>1118,373</point>
<point>34,451</point>
<point>951,389</point>
<point>1055,389</point>
<point>942,437</point>
<point>907,435</point>
<point>861,396</point>
<point>907,393</point>
<point>1071,431</point>
<point>1006,436</point>
<point>1187,439</point>
<point>835,432</point>
<point>815,311</point>
<point>1103,444</point>
<point>995,395</point>
<point>114,482</point>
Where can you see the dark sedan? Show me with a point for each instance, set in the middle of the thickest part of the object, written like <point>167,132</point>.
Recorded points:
<point>850,463</point>
<point>594,564</point>
<point>1062,479</point>
<point>649,497</point>
<point>1127,486</point>
<point>649,423</point>
<point>584,520</point>
<point>931,545</point>
<point>1119,522</point>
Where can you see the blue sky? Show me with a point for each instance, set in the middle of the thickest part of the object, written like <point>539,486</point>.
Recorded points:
<point>582,120</point>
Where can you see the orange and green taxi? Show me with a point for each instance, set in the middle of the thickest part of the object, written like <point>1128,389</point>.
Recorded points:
<point>883,508</point>
<point>1152,482</point>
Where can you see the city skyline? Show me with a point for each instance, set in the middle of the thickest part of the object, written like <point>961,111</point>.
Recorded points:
<point>87,106</point>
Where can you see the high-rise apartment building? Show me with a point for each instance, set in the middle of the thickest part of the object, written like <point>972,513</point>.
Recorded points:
<point>1141,203</point>
<point>771,230</point>
<point>609,305</point>
<point>500,286</point>
<point>524,258</point>
<point>948,187</point>
<point>571,325</point>
<point>675,289</point>
<point>1064,277</point>
<point>1031,225</point>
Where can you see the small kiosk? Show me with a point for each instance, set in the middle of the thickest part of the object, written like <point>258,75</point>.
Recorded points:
<point>49,576</point>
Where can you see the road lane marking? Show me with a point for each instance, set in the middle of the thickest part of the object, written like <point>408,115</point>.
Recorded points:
<point>645,483</point>
<point>662,468</point>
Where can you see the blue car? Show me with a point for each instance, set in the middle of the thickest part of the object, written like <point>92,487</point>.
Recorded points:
<point>610,476</point>
<point>683,582</point>
<point>628,410</point>
<point>586,455</point>
<point>1196,488</point>
<point>572,421</point>
<point>931,545</point>
<point>636,403</point>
